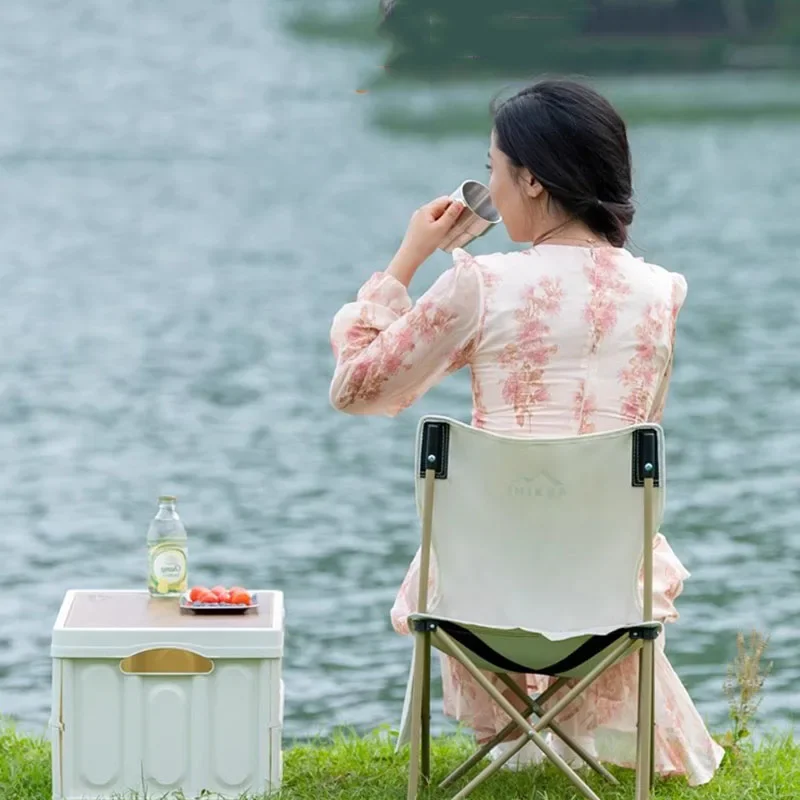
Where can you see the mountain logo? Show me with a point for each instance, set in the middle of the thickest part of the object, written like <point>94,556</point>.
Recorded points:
<point>543,485</point>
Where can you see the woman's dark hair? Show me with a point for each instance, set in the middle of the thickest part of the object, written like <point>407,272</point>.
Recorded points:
<point>575,144</point>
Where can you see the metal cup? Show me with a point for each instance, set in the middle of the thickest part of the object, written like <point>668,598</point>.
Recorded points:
<point>475,220</point>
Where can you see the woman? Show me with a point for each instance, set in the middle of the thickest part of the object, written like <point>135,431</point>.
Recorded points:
<point>570,336</point>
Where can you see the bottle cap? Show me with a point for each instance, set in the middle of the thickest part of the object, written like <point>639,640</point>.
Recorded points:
<point>167,498</point>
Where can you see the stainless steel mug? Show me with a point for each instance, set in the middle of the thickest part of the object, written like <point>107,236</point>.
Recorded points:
<point>477,217</point>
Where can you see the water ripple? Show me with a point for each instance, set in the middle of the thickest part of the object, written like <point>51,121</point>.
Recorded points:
<point>180,222</point>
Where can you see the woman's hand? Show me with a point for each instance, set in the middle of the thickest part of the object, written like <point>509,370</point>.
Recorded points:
<point>428,227</point>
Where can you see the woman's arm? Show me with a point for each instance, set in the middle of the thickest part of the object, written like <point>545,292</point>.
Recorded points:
<point>390,352</point>
<point>679,290</point>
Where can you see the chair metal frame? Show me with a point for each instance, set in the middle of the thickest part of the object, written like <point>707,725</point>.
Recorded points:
<point>428,633</point>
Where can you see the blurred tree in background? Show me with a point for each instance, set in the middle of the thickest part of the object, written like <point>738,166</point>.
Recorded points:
<point>463,37</point>
<point>789,20</point>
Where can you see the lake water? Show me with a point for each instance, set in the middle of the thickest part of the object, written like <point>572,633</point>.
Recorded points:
<point>188,194</point>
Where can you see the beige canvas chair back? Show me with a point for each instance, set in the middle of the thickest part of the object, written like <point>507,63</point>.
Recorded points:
<point>545,535</point>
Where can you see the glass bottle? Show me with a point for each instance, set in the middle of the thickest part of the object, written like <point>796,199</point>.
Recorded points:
<point>167,551</point>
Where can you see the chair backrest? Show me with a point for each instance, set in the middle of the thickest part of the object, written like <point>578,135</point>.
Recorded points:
<point>540,534</point>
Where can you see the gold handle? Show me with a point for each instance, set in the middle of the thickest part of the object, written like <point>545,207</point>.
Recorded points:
<point>166,661</point>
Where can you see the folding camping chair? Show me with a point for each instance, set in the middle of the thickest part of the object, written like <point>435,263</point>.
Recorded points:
<point>555,532</point>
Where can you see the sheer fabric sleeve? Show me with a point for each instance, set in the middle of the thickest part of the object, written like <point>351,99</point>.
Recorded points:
<point>389,351</point>
<point>679,291</point>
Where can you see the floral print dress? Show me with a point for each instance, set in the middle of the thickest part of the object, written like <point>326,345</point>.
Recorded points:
<point>560,341</point>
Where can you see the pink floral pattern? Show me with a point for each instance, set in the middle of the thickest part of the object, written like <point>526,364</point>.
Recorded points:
<point>608,289</point>
<point>678,296</point>
<point>389,351</point>
<point>520,322</point>
<point>480,412</point>
<point>527,355</point>
<point>642,371</point>
<point>584,408</point>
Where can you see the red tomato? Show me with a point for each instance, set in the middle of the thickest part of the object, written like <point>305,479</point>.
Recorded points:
<point>208,597</point>
<point>196,592</point>
<point>237,589</point>
<point>219,590</point>
<point>224,597</point>
<point>240,597</point>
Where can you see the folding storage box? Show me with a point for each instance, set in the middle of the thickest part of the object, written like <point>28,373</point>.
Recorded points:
<point>153,699</point>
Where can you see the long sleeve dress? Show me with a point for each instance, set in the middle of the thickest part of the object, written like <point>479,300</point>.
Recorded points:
<point>559,341</point>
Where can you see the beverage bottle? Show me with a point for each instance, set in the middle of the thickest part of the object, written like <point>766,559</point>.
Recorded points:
<point>167,551</point>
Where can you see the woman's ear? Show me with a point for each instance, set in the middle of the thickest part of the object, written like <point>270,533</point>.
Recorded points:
<point>532,187</point>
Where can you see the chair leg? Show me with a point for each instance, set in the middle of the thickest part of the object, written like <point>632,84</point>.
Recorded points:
<point>519,719</point>
<point>581,752</point>
<point>555,759</point>
<point>653,719</point>
<point>485,749</point>
<point>619,652</point>
<point>535,707</point>
<point>425,715</point>
<point>495,766</point>
<point>415,745</point>
<point>477,756</point>
<point>644,732</point>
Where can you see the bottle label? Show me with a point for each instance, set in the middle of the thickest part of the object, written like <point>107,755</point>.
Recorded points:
<point>168,568</point>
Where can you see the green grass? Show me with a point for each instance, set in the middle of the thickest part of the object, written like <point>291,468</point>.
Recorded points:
<point>24,766</point>
<point>355,768</point>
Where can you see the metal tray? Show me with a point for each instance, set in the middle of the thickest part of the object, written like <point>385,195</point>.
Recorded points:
<point>216,608</point>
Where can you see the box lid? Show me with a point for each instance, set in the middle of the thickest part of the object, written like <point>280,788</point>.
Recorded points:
<point>117,624</point>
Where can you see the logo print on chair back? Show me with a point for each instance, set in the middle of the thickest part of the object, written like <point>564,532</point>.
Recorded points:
<point>542,485</point>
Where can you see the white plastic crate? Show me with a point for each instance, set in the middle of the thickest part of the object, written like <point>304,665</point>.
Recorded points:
<point>151,699</point>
